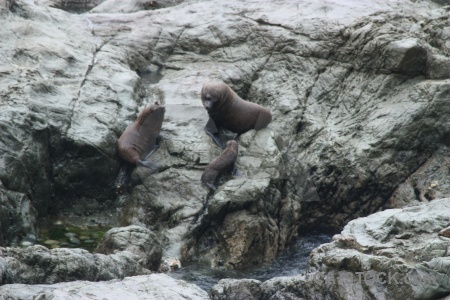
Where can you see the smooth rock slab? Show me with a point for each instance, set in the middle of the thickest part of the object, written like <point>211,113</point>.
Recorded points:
<point>154,286</point>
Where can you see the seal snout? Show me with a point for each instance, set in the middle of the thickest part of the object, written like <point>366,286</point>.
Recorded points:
<point>159,112</point>
<point>207,101</point>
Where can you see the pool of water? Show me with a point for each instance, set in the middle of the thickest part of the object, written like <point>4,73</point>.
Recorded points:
<point>85,237</point>
<point>292,262</point>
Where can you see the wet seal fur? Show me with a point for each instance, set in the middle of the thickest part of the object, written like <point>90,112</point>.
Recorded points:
<point>220,165</point>
<point>227,110</point>
<point>138,141</point>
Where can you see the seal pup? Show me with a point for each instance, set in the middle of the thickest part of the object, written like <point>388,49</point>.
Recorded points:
<point>226,109</point>
<point>138,141</point>
<point>220,165</point>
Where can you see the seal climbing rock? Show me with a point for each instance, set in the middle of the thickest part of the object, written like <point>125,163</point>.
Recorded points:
<point>220,165</point>
<point>226,109</point>
<point>138,141</point>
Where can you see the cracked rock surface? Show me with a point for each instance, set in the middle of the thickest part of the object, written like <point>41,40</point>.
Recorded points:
<point>154,286</point>
<point>37,264</point>
<point>358,91</point>
<point>394,254</point>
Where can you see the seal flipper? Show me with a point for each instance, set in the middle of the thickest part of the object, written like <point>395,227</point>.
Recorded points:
<point>148,164</point>
<point>211,186</point>
<point>212,130</point>
<point>156,147</point>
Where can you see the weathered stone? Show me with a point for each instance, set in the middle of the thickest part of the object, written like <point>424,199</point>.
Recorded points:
<point>429,182</point>
<point>117,6</point>
<point>284,288</point>
<point>245,289</point>
<point>154,286</point>
<point>17,217</point>
<point>384,260</point>
<point>135,239</point>
<point>73,6</point>
<point>358,92</point>
<point>371,258</point>
<point>37,264</point>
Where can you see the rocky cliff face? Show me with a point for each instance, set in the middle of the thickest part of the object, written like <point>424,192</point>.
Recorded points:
<point>358,91</point>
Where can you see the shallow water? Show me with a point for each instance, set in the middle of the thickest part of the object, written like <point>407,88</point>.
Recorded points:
<point>58,234</point>
<point>292,262</point>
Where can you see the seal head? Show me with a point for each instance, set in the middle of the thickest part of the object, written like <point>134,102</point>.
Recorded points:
<point>227,110</point>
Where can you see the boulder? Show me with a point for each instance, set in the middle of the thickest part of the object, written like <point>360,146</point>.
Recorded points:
<point>246,289</point>
<point>396,252</point>
<point>154,286</point>
<point>37,264</point>
<point>135,239</point>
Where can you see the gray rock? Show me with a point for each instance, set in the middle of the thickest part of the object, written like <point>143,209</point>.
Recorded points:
<point>73,6</point>
<point>135,239</point>
<point>117,6</point>
<point>47,134</point>
<point>278,288</point>
<point>154,286</point>
<point>358,92</point>
<point>284,288</point>
<point>17,217</point>
<point>429,182</point>
<point>227,289</point>
<point>37,264</point>
<point>396,252</point>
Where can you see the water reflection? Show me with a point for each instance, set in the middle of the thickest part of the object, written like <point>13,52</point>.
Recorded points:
<point>292,262</point>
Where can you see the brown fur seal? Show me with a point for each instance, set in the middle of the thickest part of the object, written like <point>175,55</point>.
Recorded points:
<point>220,165</point>
<point>138,141</point>
<point>445,232</point>
<point>226,109</point>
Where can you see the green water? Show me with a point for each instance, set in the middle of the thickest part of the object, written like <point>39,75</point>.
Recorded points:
<point>59,235</point>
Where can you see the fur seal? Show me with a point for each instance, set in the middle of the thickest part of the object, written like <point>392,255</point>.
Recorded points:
<point>445,232</point>
<point>138,141</point>
<point>220,165</point>
<point>226,109</point>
